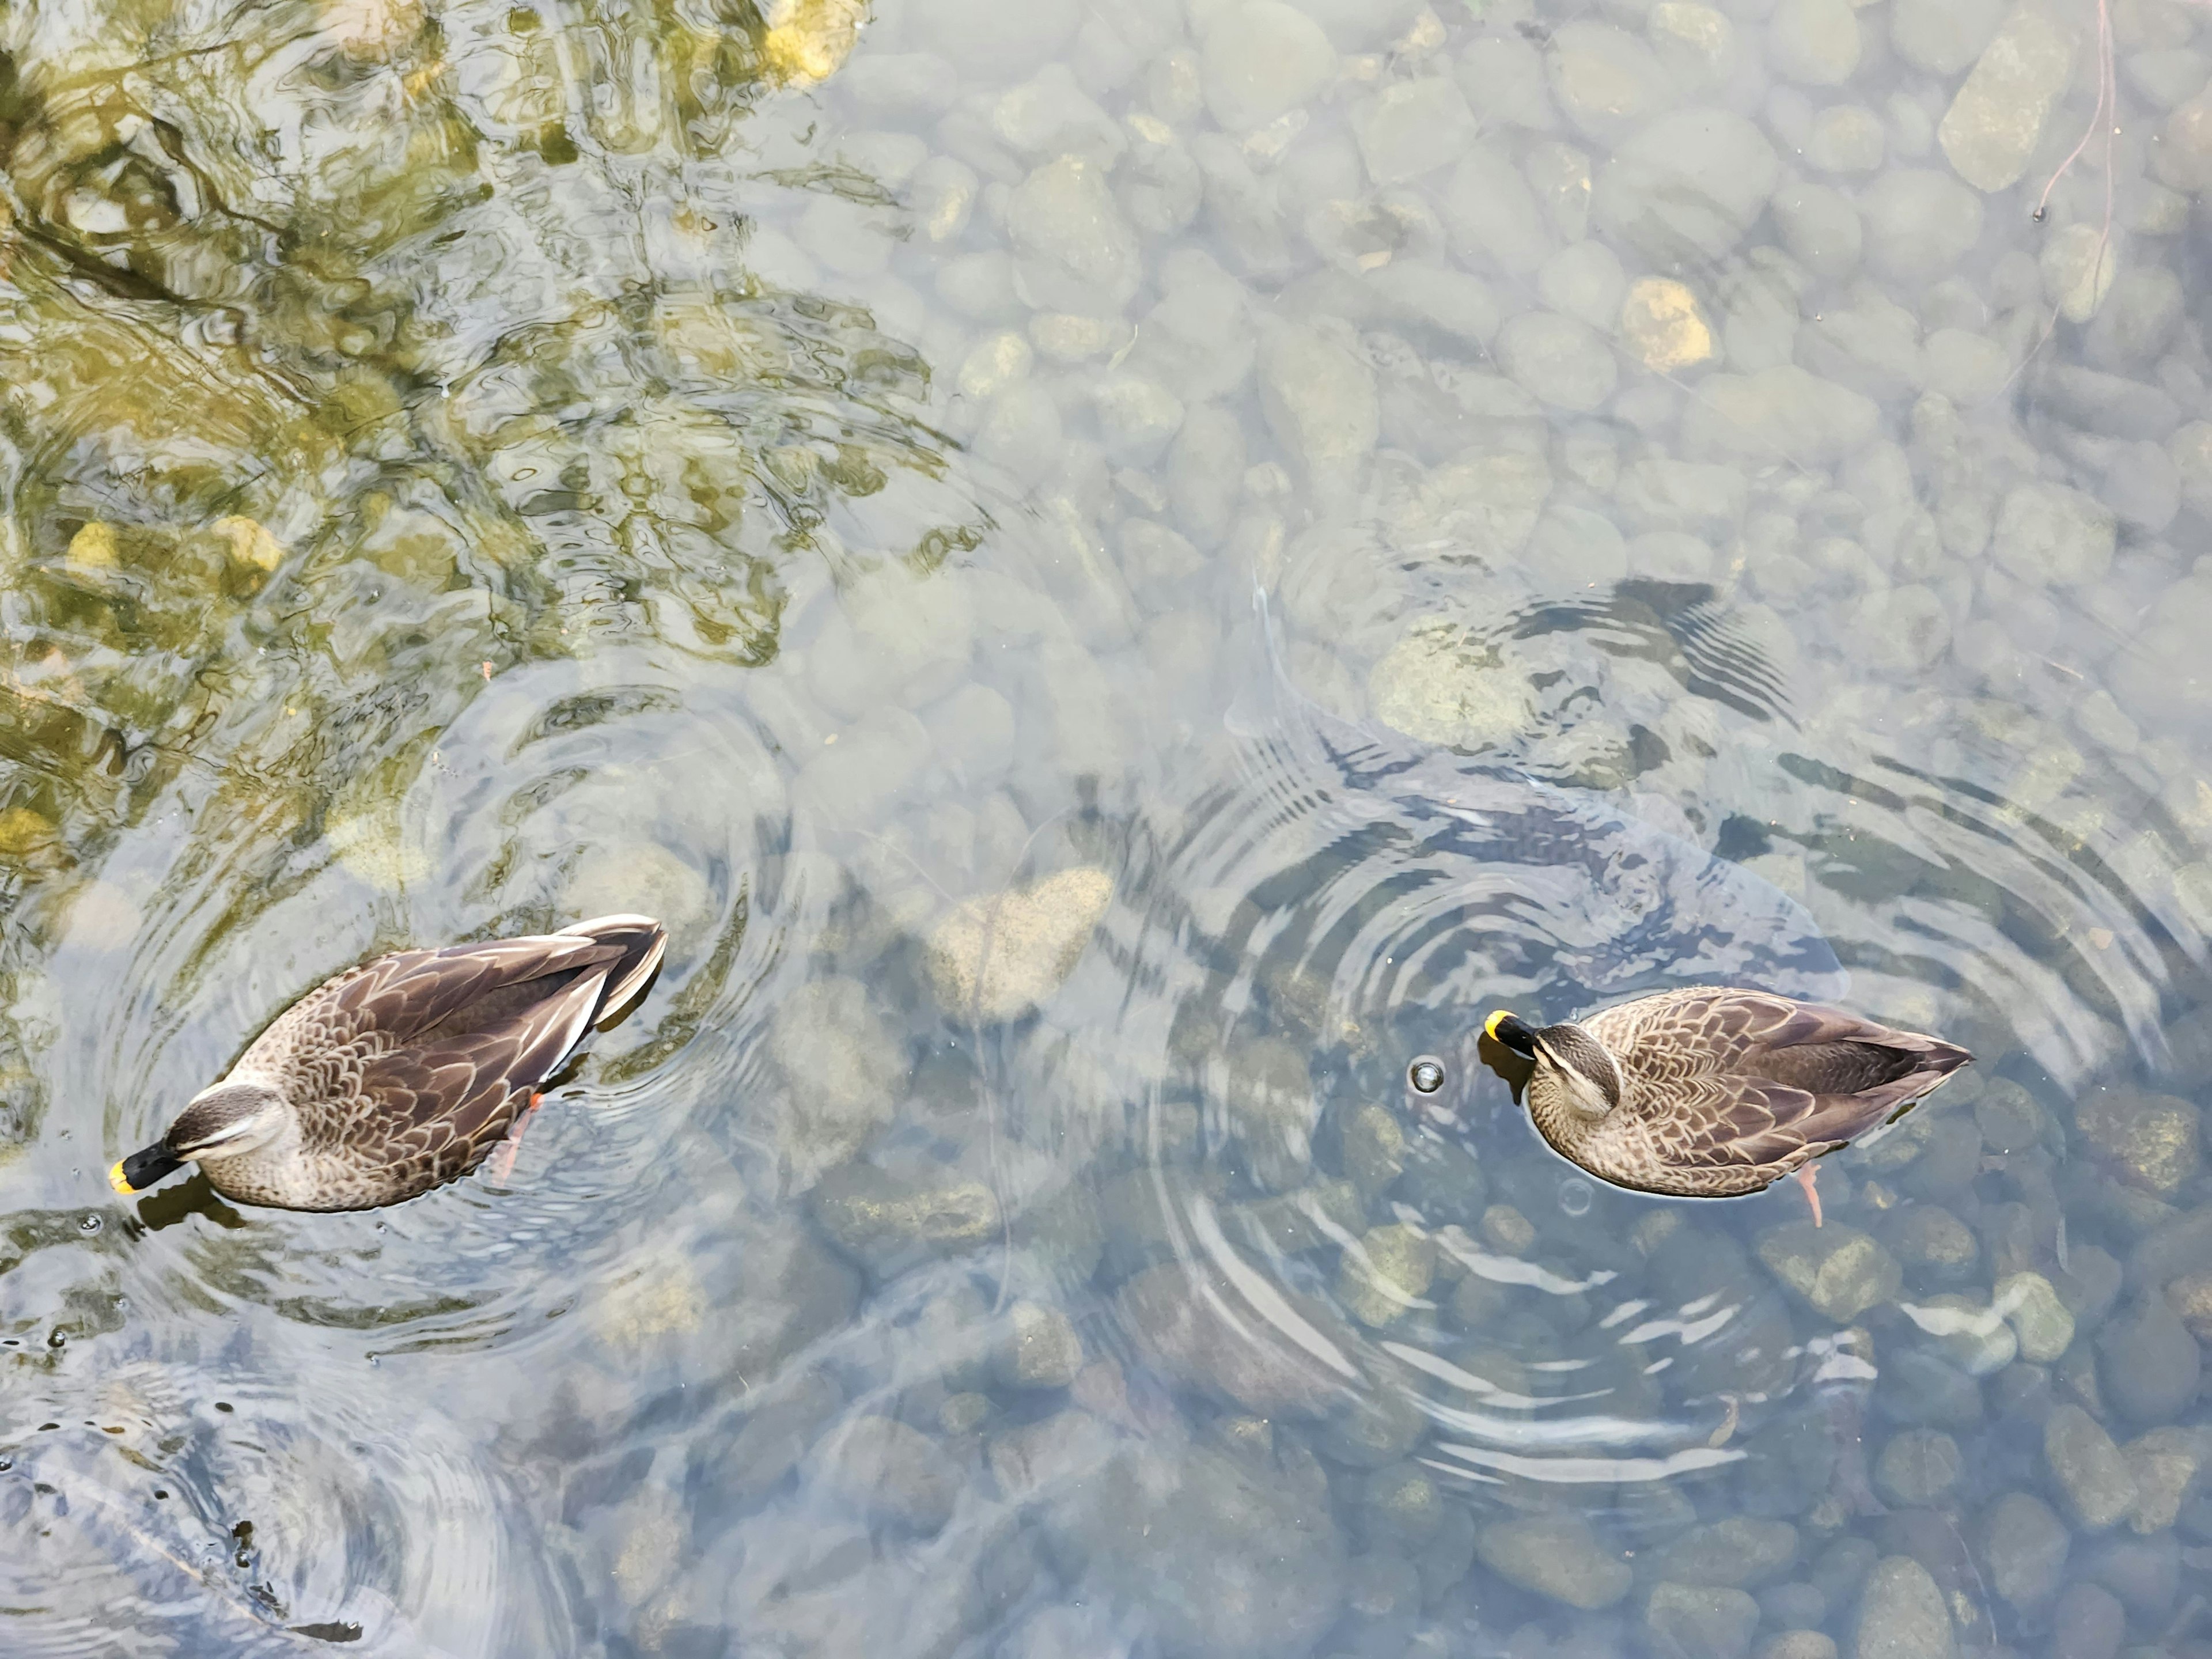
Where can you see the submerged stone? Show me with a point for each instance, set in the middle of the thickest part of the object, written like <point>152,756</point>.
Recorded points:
<point>1997,120</point>
<point>1556,1556</point>
<point>993,959</point>
<point>2092,1474</point>
<point>1902,1615</point>
<point>1839,1270</point>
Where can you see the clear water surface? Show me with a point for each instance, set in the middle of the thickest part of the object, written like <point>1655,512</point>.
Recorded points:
<point>1115,573</point>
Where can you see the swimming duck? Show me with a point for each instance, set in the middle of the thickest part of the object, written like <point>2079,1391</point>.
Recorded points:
<point>402,1074</point>
<point>1708,1092</point>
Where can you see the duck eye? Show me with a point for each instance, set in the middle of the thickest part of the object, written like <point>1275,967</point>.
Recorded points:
<point>1425,1074</point>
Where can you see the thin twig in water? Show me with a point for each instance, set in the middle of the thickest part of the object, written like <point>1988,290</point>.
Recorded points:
<point>2106,115</point>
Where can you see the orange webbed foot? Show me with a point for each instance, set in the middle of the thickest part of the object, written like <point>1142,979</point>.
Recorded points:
<point>1805,1176</point>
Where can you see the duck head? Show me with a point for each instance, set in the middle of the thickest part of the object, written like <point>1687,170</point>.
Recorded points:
<point>1570,1066</point>
<point>229,1120</point>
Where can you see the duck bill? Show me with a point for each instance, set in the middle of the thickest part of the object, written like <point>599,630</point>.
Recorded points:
<point>142,1169</point>
<point>1510,1033</point>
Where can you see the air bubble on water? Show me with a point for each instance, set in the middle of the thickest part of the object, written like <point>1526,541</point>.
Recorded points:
<point>1575,1196</point>
<point>88,1225</point>
<point>1425,1074</point>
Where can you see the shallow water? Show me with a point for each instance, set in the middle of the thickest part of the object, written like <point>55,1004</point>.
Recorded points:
<point>1115,575</point>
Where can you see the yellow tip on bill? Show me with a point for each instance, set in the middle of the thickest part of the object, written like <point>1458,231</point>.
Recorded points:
<point>115,1178</point>
<point>1489,1029</point>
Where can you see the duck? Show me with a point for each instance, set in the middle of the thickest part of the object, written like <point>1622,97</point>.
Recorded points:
<point>404,1072</point>
<point>1713,1092</point>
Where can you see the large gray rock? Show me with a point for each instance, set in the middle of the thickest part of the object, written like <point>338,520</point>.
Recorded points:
<point>1556,1556</point>
<point>1229,1554</point>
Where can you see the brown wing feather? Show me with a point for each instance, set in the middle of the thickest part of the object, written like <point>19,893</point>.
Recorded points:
<point>1722,1080</point>
<point>428,1111</point>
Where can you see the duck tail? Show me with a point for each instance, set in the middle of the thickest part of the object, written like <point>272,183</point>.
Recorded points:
<point>643,942</point>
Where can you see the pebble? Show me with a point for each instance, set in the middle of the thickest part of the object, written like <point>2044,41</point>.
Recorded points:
<point>1902,1615</point>
<point>1996,122</point>
<point>1073,251</point>
<point>840,1066</point>
<point>893,1472</point>
<point>995,39</point>
<point>1735,1553</point>
<point>1259,61</point>
<point>1558,360</point>
<point>2149,1365</point>
<point>2038,1317</point>
<point>1413,127</point>
<point>1821,228</point>
<point>1041,1349</point>
<point>1697,46</point>
<point>2026,1546</point>
<point>993,959</point>
<point>2093,1476</point>
<point>1320,399</point>
<point>887,1222</point>
<point>1814,42</point>
<point>1778,414</point>
<point>1492,216</point>
<point>1917,1467</point>
<point>1584,281</point>
<point>1846,138</point>
<point>1942,37</point>
<point>2079,265</point>
<point>1555,1556</point>
<point>1387,1276</point>
<point>1606,81</point>
<point>2149,1140</point>
<point>1838,1270</point>
<point>1689,185</point>
<point>1700,1619</point>
<point>1974,1338</point>
<point>1969,368</point>
<point>1179,1316</point>
<point>1228,1552</point>
<point>2191,1296</point>
<point>1919,223</point>
<point>1440,685</point>
<point>1662,324</point>
<point>1798,1644</point>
